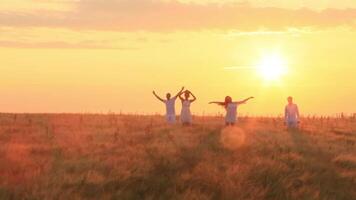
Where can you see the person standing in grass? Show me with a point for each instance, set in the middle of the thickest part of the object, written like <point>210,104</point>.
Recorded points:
<point>185,115</point>
<point>170,105</point>
<point>231,109</point>
<point>291,114</point>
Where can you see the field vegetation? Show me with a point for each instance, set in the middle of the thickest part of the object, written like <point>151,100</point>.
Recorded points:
<point>72,156</point>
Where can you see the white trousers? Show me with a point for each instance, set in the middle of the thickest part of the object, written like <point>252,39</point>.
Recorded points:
<point>171,118</point>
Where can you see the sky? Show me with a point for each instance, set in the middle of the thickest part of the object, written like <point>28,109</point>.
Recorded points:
<point>108,56</point>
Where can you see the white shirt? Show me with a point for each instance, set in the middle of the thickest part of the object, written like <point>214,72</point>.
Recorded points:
<point>231,113</point>
<point>170,106</point>
<point>291,113</point>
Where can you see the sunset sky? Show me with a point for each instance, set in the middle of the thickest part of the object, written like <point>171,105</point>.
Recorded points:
<point>108,55</point>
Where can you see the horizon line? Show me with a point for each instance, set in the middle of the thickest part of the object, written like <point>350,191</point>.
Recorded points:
<point>335,115</point>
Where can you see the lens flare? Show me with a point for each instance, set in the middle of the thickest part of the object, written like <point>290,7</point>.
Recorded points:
<point>233,138</point>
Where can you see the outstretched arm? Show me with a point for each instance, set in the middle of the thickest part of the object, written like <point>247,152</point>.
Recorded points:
<point>179,93</point>
<point>159,98</point>
<point>216,102</point>
<point>244,101</point>
<point>194,98</point>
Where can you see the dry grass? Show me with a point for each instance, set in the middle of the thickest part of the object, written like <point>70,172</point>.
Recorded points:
<point>139,157</point>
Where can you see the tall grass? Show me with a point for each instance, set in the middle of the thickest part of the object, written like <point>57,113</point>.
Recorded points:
<point>73,156</point>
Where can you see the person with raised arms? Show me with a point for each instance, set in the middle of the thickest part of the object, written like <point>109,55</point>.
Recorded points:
<point>170,105</point>
<point>186,115</point>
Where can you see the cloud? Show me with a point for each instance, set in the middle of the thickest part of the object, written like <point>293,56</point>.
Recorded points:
<point>157,16</point>
<point>59,45</point>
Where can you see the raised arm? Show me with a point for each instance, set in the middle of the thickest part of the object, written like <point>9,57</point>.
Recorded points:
<point>179,93</point>
<point>243,101</point>
<point>159,98</point>
<point>194,98</point>
<point>180,96</point>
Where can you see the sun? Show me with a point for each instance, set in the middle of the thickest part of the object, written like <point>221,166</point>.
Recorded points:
<point>272,67</point>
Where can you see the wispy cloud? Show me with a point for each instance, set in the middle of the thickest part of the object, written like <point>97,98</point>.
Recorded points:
<point>60,45</point>
<point>240,68</point>
<point>156,16</point>
<point>52,38</point>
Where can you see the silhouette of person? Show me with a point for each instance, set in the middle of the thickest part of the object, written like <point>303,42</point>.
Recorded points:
<point>231,109</point>
<point>291,114</point>
<point>170,105</point>
<point>185,115</point>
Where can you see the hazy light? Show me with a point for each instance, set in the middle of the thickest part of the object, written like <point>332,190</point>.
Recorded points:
<point>272,67</point>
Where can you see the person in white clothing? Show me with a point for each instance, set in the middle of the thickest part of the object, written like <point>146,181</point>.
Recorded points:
<point>231,109</point>
<point>185,115</point>
<point>291,114</point>
<point>170,105</point>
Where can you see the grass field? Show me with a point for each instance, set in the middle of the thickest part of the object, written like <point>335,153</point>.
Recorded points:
<point>139,157</point>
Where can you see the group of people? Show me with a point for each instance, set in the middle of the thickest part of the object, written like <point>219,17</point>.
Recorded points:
<point>185,115</point>
<point>291,112</point>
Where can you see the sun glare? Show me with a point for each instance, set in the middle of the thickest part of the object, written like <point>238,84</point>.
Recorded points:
<point>272,67</point>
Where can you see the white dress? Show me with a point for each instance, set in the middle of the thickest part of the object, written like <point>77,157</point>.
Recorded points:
<point>231,113</point>
<point>185,115</point>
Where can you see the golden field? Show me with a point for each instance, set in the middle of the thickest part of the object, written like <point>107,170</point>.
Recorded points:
<point>74,156</point>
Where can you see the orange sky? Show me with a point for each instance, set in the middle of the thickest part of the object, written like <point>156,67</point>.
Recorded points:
<point>100,56</point>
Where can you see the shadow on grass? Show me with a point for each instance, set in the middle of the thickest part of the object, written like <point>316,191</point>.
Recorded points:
<point>325,178</point>
<point>161,182</point>
<point>6,195</point>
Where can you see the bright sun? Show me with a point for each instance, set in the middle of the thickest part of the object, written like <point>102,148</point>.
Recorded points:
<point>272,67</point>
